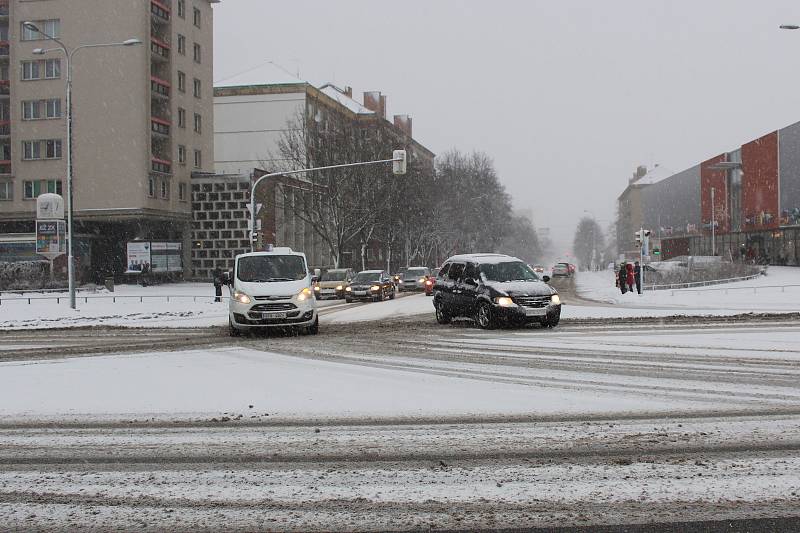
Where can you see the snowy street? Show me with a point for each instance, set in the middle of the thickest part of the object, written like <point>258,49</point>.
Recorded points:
<point>389,421</point>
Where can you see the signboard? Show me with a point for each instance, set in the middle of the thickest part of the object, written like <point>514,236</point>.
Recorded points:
<point>49,206</point>
<point>160,256</point>
<point>51,238</point>
<point>138,256</point>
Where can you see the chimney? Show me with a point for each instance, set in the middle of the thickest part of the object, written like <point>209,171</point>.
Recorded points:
<point>376,102</point>
<point>348,91</point>
<point>403,123</point>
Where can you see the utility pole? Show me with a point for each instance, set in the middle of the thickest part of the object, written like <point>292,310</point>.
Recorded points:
<point>713,225</point>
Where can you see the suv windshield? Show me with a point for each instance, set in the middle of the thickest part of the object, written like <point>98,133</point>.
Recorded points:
<point>334,275</point>
<point>414,272</point>
<point>262,268</point>
<point>508,271</point>
<point>367,276</point>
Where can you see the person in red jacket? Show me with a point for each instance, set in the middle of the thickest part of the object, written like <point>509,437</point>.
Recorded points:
<point>630,279</point>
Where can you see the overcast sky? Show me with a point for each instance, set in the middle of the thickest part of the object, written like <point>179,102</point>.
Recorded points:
<point>567,97</point>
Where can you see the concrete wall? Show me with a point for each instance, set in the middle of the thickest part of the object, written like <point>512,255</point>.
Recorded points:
<point>789,152</point>
<point>716,180</point>
<point>247,128</point>
<point>673,202</point>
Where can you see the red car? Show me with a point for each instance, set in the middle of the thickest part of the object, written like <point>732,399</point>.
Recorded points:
<point>430,281</point>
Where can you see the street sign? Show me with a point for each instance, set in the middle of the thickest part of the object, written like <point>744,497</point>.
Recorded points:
<point>51,238</point>
<point>250,208</point>
<point>49,206</point>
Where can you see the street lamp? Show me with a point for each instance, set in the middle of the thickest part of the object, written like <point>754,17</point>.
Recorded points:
<point>68,54</point>
<point>789,27</point>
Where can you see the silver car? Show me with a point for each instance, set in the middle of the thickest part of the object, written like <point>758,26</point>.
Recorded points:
<point>414,278</point>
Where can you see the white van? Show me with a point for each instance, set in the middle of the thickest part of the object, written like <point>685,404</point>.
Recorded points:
<point>272,289</point>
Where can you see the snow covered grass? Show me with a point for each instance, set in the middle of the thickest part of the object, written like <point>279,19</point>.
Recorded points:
<point>773,293</point>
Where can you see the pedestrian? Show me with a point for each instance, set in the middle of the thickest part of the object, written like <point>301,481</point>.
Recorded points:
<point>216,275</point>
<point>637,274</point>
<point>629,276</point>
<point>621,278</point>
<point>145,275</point>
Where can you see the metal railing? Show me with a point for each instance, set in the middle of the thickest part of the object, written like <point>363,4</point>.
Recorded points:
<point>113,297</point>
<point>706,283</point>
<point>755,289</point>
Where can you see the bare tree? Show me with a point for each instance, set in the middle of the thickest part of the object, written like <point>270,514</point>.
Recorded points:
<point>588,243</point>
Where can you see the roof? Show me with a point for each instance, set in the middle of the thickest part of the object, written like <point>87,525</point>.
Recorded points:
<point>275,251</point>
<point>370,271</point>
<point>483,259</point>
<point>654,175</point>
<point>337,94</point>
<point>264,74</point>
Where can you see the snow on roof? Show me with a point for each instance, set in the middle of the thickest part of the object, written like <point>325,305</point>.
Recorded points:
<point>264,74</point>
<point>654,175</point>
<point>333,92</point>
<point>370,271</point>
<point>484,259</point>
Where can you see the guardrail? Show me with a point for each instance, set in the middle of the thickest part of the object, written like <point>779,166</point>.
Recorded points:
<point>113,298</point>
<point>689,285</point>
<point>726,289</point>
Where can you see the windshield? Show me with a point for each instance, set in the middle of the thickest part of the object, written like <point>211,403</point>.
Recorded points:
<point>334,275</point>
<point>508,271</point>
<point>417,272</point>
<point>265,268</point>
<point>367,276</point>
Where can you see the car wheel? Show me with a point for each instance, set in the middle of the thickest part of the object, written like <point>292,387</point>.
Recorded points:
<point>348,300</point>
<point>551,322</point>
<point>232,331</point>
<point>313,329</point>
<point>484,317</point>
<point>442,317</point>
<point>391,294</point>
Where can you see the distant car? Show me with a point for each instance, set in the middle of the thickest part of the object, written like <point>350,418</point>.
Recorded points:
<point>539,269</point>
<point>572,268</point>
<point>333,282</point>
<point>375,285</point>
<point>431,282</point>
<point>414,279</point>
<point>561,270</point>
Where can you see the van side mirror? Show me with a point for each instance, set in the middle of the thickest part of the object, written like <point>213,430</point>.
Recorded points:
<point>546,279</point>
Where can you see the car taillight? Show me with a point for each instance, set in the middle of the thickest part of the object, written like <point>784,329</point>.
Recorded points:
<point>428,282</point>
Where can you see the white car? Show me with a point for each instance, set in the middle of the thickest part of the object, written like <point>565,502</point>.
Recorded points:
<point>272,289</point>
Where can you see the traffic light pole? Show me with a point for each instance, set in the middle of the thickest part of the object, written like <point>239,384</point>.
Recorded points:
<point>641,256</point>
<point>399,156</point>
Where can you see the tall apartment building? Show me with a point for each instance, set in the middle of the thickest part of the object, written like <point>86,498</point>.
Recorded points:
<point>143,121</point>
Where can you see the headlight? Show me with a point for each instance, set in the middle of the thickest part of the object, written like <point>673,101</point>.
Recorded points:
<point>241,297</point>
<point>505,301</point>
<point>429,282</point>
<point>422,280</point>
<point>374,288</point>
<point>316,288</point>
<point>348,289</point>
<point>338,287</point>
<point>305,294</point>
<point>555,300</point>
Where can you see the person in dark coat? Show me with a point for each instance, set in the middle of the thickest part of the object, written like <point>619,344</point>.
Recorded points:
<point>216,276</point>
<point>630,279</point>
<point>621,278</point>
<point>637,275</point>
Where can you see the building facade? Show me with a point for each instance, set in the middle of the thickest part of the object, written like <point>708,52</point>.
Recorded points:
<point>142,115</point>
<point>743,204</point>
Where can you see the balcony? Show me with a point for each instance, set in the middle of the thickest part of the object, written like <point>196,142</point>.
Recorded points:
<point>5,128</point>
<point>5,88</point>
<point>5,49</point>
<point>5,167</point>
<point>4,10</point>
<point>160,12</point>
<point>160,126</point>
<point>159,88</point>
<point>160,49</point>
<point>160,166</point>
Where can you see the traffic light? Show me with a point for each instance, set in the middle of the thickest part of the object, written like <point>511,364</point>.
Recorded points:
<point>656,251</point>
<point>399,162</point>
<point>638,238</point>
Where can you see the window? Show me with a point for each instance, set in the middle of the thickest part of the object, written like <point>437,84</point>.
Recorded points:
<point>181,82</point>
<point>48,27</point>
<point>196,88</point>
<point>196,53</point>
<point>181,117</point>
<point>181,154</point>
<point>196,19</point>
<point>31,70</point>
<point>151,187</point>
<point>198,159</point>
<point>39,109</point>
<point>198,123</point>
<point>164,189</point>
<point>182,9</point>
<point>182,192</point>
<point>456,269</point>
<point>52,69</point>
<point>6,190</point>
<point>41,149</point>
<point>182,44</point>
<point>32,189</point>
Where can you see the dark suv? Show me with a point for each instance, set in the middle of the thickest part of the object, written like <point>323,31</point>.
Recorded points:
<point>494,288</point>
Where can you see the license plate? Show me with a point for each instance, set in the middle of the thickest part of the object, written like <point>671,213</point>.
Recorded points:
<point>328,291</point>
<point>360,293</point>
<point>273,315</point>
<point>535,311</point>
